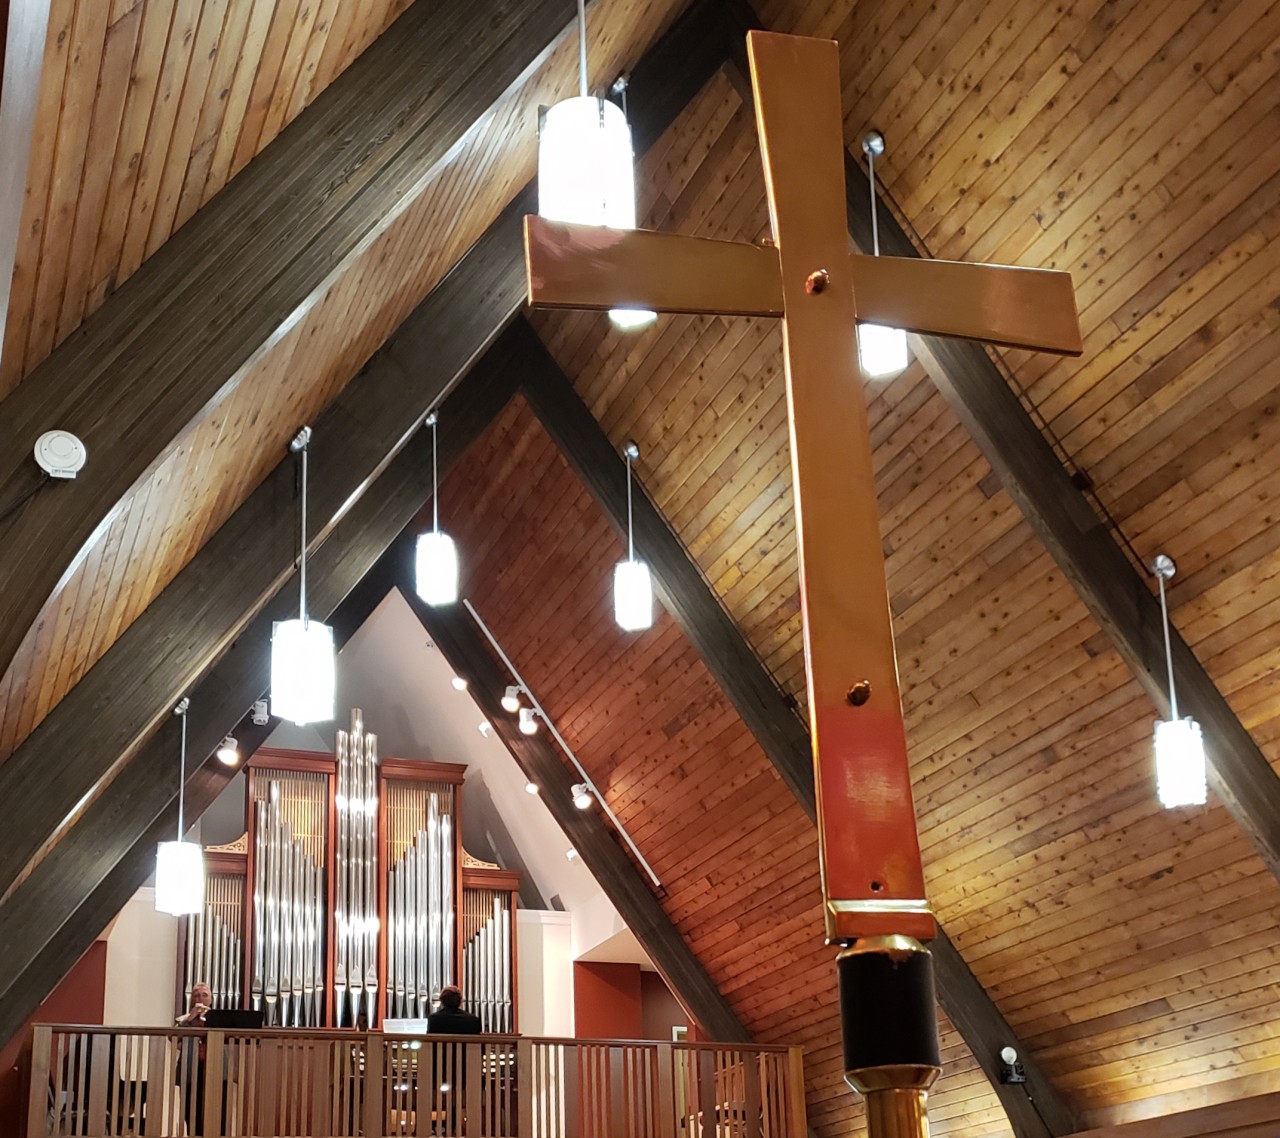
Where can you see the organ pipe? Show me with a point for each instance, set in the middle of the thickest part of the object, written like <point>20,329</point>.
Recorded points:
<point>486,957</point>
<point>215,939</point>
<point>356,925</point>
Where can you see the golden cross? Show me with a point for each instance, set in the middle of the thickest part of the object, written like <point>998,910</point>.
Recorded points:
<point>872,880</point>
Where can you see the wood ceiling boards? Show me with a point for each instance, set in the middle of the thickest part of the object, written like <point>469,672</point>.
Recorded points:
<point>1131,949</point>
<point>244,418</point>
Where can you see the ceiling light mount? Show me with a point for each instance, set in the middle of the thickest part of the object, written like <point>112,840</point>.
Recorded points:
<point>1181,778</point>
<point>632,586</point>
<point>436,557</point>
<point>882,351</point>
<point>302,654</point>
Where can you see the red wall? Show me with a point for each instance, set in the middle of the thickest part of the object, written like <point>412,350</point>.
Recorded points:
<point>606,1001</point>
<point>78,999</point>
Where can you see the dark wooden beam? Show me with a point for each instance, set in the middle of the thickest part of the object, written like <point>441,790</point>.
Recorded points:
<point>457,637</point>
<point>223,597</point>
<point>758,699</point>
<point>179,334</point>
<point>23,27</point>
<point>55,913</point>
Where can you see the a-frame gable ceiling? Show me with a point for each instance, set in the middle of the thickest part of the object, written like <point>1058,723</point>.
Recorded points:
<point>1132,950</point>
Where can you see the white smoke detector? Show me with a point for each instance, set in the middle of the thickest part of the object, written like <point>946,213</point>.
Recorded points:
<point>60,454</point>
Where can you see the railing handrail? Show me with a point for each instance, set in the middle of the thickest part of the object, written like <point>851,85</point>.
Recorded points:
<point>347,1033</point>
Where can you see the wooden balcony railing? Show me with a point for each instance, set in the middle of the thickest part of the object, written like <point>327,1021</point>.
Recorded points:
<point>99,1082</point>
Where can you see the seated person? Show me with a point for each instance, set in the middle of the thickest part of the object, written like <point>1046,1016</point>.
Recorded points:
<point>449,1018</point>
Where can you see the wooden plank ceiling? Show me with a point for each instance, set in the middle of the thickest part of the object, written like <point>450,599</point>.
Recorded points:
<point>1132,142</point>
<point>231,85</point>
<point>736,853</point>
<point>1132,949</point>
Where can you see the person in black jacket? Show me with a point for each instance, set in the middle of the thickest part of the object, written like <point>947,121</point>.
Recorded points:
<point>449,1018</point>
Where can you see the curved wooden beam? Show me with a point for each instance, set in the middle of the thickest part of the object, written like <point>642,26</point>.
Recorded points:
<point>182,332</point>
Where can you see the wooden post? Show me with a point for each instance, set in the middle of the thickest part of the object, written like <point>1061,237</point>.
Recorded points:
<point>215,1044</point>
<point>375,1118</point>
<point>668,1125</point>
<point>38,1093</point>
<point>795,1092</point>
<point>525,1088</point>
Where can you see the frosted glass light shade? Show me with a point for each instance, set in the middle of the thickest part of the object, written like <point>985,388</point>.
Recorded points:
<point>632,596</point>
<point>179,878</point>
<point>586,174</point>
<point>1180,764</point>
<point>881,351</point>
<point>302,671</point>
<point>437,569</point>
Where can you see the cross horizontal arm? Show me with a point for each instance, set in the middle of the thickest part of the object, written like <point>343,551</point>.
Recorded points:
<point>1016,308</point>
<point>587,266</point>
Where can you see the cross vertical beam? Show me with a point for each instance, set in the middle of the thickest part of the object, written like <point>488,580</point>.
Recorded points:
<point>873,882</point>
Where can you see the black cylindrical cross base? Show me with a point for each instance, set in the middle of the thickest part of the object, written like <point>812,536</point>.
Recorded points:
<point>888,1016</point>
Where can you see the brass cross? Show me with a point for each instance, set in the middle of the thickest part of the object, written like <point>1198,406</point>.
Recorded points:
<point>873,884</point>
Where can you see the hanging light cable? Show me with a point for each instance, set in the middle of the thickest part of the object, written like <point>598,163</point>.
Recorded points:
<point>1179,743</point>
<point>632,586</point>
<point>180,864</point>
<point>302,656</point>
<point>881,351</point>
<point>436,563</point>
<point>586,166</point>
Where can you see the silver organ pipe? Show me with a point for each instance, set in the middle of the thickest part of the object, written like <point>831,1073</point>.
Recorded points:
<point>215,939</point>
<point>420,896</point>
<point>356,927</point>
<point>486,957</point>
<point>290,823</point>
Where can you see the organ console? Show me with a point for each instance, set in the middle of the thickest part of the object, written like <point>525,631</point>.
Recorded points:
<point>350,900</point>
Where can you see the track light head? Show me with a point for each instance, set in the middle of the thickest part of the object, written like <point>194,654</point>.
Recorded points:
<point>229,751</point>
<point>511,699</point>
<point>531,788</point>
<point>459,683</point>
<point>528,724</point>
<point>485,728</point>
<point>582,797</point>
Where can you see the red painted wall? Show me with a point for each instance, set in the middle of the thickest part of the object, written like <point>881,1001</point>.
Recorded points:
<point>661,1010</point>
<point>606,1001</point>
<point>78,999</point>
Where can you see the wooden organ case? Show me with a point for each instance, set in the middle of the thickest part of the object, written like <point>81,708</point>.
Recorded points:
<point>350,899</point>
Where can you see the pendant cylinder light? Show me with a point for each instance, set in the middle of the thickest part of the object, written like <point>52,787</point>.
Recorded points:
<point>1179,744</point>
<point>436,560</point>
<point>882,351</point>
<point>303,672</point>
<point>586,166</point>
<point>632,586</point>
<point>180,864</point>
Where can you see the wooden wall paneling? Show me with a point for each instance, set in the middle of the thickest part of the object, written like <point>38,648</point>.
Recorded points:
<point>755,695</point>
<point>33,404</point>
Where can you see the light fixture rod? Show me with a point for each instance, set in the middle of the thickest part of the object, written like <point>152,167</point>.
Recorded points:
<point>300,445</point>
<point>875,226</point>
<point>432,420</point>
<point>533,699</point>
<point>1164,568</point>
<point>582,47</point>
<point>631,542</point>
<point>181,712</point>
